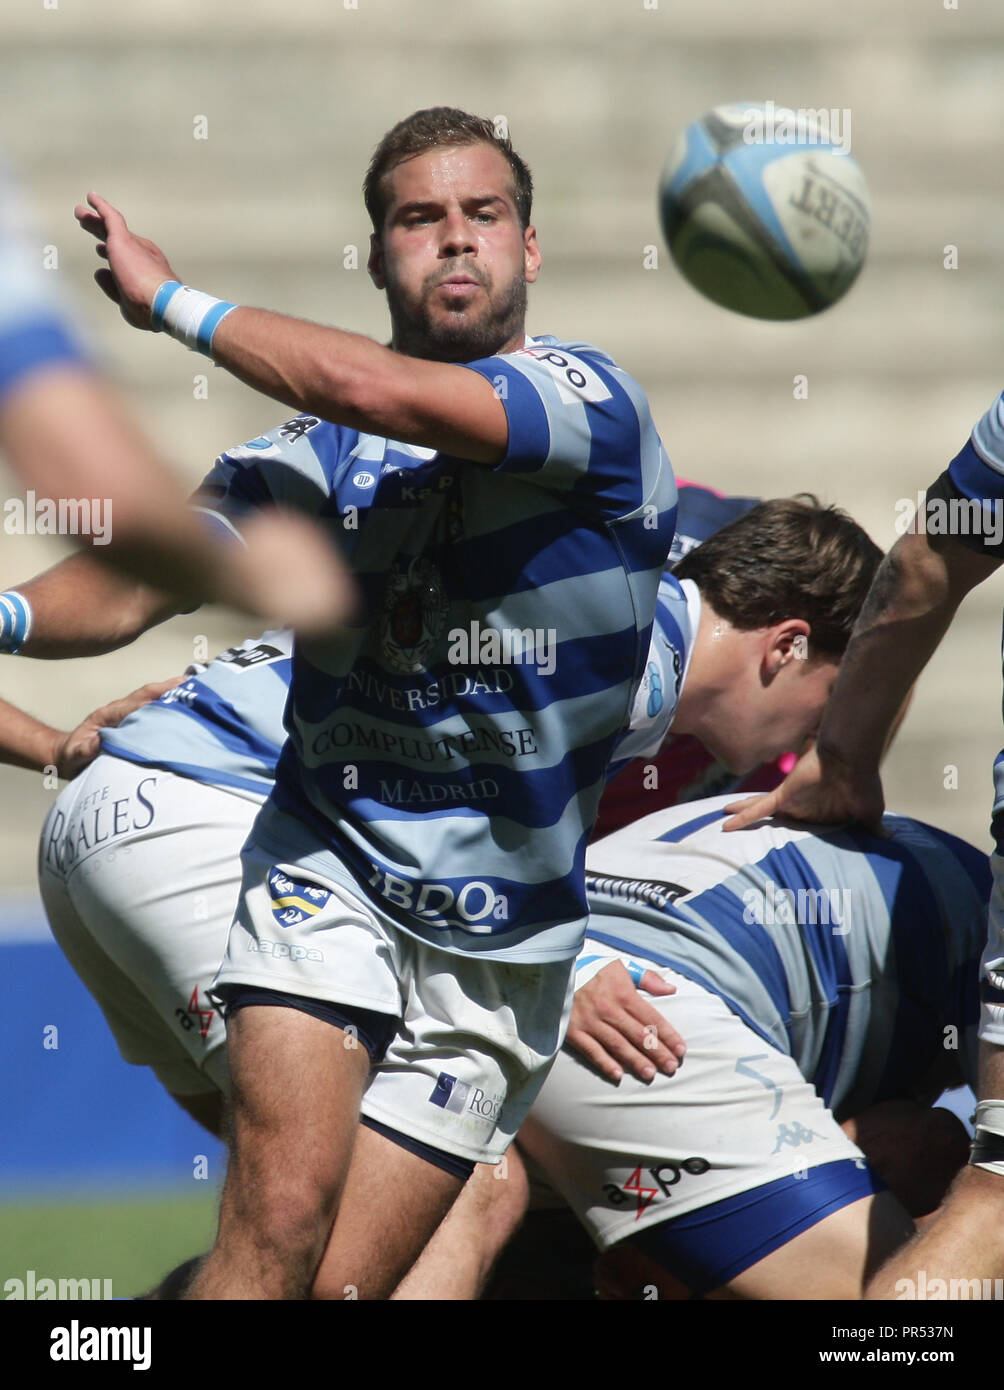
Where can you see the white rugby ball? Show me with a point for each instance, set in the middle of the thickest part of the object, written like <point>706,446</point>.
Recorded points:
<point>763,212</point>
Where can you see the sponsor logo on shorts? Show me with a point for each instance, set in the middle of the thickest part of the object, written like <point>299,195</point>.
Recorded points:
<point>293,902</point>
<point>282,950</point>
<point>460,1096</point>
<point>194,1016</point>
<point>793,1136</point>
<point>647,1185</point>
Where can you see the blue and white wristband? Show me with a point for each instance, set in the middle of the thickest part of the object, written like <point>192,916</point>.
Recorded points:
<point>188,315</point>
<point>586,966</point>
<point>15,621</point>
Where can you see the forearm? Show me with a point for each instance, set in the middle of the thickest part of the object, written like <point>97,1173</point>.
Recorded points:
<point>912,602</point>
<point>352,381</point>
<point>26,742</point>
<point>69,438</point>
<point>82,608</point>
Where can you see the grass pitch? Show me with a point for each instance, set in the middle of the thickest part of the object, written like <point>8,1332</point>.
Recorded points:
<point>132,1241</point>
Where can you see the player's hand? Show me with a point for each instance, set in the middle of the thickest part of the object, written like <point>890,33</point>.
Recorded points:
<point>136,267</point>
<point>615,1029</point>
<point>820,789</point>
<point>81,746</point>
<point>288,573</point>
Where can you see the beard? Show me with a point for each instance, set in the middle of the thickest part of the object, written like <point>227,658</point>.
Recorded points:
<point>457,334</point>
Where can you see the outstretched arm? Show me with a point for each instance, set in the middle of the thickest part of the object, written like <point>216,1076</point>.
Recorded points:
<point>909,608</point>
<point>82,607</point>
<point>343,377</point>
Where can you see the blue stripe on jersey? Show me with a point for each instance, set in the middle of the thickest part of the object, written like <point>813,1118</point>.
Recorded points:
<point>690,827</point>
<point>541,794</point>
<point>471,689</point>
<point>232,725</point>
<point>198,772</point>
<point>39,343</point>
<point>226,726</point>
<point>532,554</point>
<point>749,940</point>
<point>916,939</point>
<point>529,428</point>
<point>973,476</point>
<point>828,953</point>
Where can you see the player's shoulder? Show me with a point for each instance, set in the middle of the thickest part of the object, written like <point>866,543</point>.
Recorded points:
<point>287,440</point>
<point>576,371</point>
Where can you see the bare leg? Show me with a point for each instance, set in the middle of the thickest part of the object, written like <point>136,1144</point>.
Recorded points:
<point>966,1239</point>
<point>392,1204</point>
<point>296,1094</point>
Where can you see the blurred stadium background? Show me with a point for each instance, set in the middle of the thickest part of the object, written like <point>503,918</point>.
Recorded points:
<point>98,1171</point>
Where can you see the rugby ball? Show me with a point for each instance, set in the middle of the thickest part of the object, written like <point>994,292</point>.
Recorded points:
<point>763,212</point>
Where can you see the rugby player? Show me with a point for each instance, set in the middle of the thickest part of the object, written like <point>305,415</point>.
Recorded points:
<point>820,978</point>
<point>407,885</point>
<point>179,783</point>
<point>916,594</point>
<point>67,437</point>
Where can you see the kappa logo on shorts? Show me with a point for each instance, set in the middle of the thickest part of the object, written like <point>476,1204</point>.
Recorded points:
<point>292,902</point>
<point>460,1096</point>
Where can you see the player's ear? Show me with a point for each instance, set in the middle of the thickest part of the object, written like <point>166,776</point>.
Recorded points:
<point>375,263</point>
<point>786,642</point>
<point>531,255</point>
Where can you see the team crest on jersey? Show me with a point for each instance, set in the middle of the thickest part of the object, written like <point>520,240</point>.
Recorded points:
<point>293,902</point>
<point>415,609</point>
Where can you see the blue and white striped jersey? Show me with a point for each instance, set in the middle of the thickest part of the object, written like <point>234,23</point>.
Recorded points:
<point>850,953</point>
<point>222,725</point>
<point>446,755</point>
<point>229,727</point>
<point>677,618</point>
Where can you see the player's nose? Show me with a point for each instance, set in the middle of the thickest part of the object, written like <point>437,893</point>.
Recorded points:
<point>456,235</point>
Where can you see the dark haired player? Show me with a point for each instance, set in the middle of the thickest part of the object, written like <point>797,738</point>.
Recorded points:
<point>415,881</point>
<point>916,593</point>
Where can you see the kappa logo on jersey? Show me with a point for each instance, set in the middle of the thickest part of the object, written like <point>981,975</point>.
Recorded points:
<point>292,902</point>
<point>415,609</point>
<point>460,1096</point>
<point>295,429</point>
<point>574,378</point>
<point>663,1175</point>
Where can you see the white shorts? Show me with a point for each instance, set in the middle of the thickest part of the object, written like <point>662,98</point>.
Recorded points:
<point>992,964</point>
<point>473,1039</point>
<point>737,1115</point>
<point>139,871</point>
